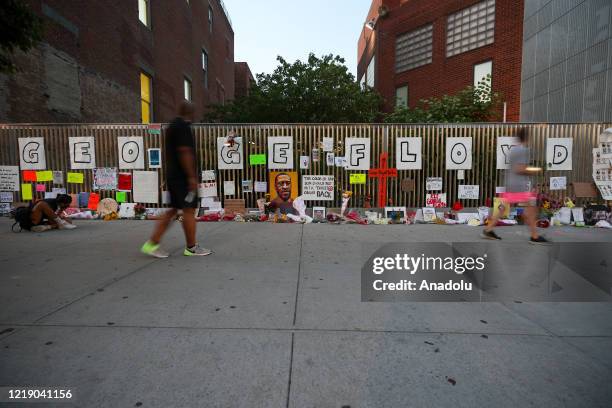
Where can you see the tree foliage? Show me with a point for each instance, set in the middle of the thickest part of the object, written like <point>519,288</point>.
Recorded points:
<point>472,104</point>
<point>321,90</point>
<point>20,29</point>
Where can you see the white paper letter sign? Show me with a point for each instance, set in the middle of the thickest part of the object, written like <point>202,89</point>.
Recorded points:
<point>459,153</point>
<point>32,153</point>
<point>357,153</point>
<point>559,153</point>
<point>229,157</point>
<point>82,152</point>
<point>408,153</point>
<point>504,144</point>
<point>280,152</point>
<point>131,152</point>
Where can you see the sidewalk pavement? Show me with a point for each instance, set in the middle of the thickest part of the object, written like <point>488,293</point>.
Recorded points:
<point>274,319</point>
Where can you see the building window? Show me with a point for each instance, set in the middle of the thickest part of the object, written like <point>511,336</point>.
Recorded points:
<point>414,49</point>
<point>205,67</point>
<point>145,98</point>
<point>470,28</point>
<point>483,71</point>
<point>401,97</point>
<point>210,19</point>
<point>371,73</point>
<point>187,89</point>
<point>143,12</point>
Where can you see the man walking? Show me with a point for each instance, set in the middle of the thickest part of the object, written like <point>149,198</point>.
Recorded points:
<point>182,184</point>
<point>519,191</point>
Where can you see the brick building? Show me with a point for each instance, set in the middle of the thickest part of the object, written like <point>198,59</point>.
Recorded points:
<point>414,49</point>
<point>122,61</point>
<point>243,79</point>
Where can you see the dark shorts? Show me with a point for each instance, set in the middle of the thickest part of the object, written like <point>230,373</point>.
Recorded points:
<point>178,192</point>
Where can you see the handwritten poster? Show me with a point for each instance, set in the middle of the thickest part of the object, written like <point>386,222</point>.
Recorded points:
<point>207,189</point>
<point>229,188</point>
<point>9,178</point>
<point>74,178</point>
<point>318,188</point>
<point>504,144</point>
<point>433,183</point>
<point>124,182</point>
<point>559,153</point>
<point>105,178</point>
<point>468,192</point>
<point>436,200</point>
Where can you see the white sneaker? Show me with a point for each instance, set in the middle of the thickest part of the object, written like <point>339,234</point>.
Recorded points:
<point>41,228</point>
<point>196,251</point>
<point>63,224</point>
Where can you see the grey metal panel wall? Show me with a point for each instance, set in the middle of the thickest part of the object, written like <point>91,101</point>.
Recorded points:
<point>572,41</point>
<point>307,137</point>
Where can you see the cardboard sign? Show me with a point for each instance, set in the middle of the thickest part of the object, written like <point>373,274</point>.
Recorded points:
<point>257,159</point>
<point>436,200</point>
<point>28,175</point>
<point>433,184</point>
<point>469,192</point>
<point>318,188</point>
<point>407,185</point>
<point>58,177</point>
<point>124,181</point>
<point>145,186</point>
<point>105,178</point>
<point>357,178</point>
<point>558,183</point>
<point>207,189</point>
<point>229,188</point>
<point>45,175</point>
<point>26,192</point>
<point>74,178</point>
<point>9,178</point>
<point>261,186</point>
<point>121,196</point>
<point>234,206</point>
<point>208,175</point>
<point>328,144</point>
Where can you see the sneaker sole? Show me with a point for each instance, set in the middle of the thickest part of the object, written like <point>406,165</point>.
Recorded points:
<point>540,243</point>
<point>155,255</point>
<point>192,254</point>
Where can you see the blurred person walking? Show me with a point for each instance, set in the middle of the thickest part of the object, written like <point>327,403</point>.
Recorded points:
<point>182,183</point>
<point>518,190</point>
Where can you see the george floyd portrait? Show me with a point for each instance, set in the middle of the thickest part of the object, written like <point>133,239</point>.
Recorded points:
<point>283,190</point>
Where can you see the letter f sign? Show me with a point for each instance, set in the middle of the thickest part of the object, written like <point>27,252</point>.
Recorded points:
<point>357,153</point>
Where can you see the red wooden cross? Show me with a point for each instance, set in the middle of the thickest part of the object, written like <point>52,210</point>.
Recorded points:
<point>382,174</point>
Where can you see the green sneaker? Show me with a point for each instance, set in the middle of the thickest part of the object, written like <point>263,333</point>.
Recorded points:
<point>151,249</point>
<point>196,250</point>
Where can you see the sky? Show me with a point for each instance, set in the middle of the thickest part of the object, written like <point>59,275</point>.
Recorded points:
<point>264,29</point>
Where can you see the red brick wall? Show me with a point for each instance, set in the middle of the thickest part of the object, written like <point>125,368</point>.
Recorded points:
<point>449,75</point>
<point>243,79</point>
<point>110,47</point>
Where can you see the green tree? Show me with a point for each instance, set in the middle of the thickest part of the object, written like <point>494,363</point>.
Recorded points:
<point>321,90</point>
<point>20,29</point>
<point>472,104</point>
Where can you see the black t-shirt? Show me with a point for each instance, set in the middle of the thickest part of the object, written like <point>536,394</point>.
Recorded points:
<point>178,135</point>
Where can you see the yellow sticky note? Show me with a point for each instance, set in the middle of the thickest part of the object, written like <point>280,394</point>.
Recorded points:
<point>26,191</point>
<point>45,175</point>
<point>358,178</point>
<point>74,178</point>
